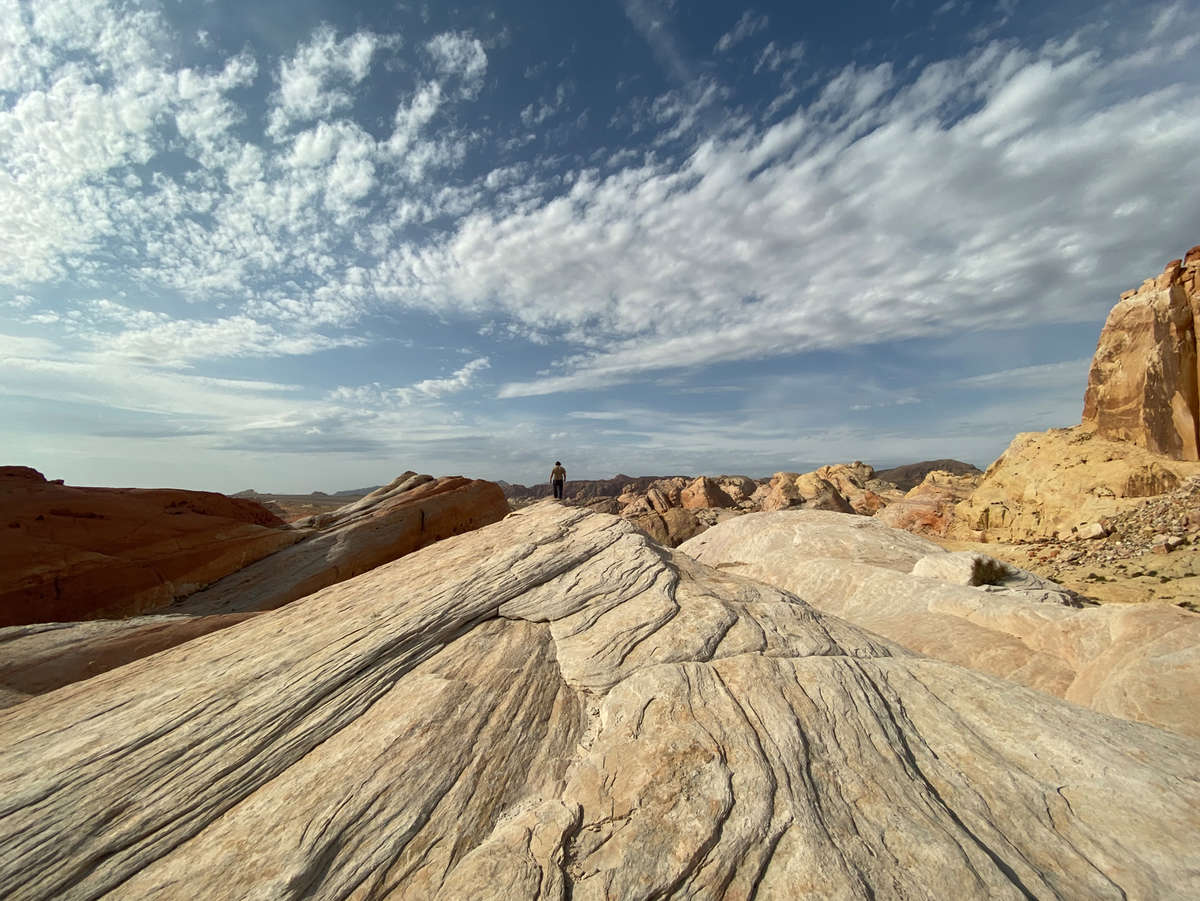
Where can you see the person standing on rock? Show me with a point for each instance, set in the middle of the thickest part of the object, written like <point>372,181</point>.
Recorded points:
<point>558,478</point>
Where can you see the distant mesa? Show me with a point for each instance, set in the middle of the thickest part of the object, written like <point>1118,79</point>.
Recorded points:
<point>911,475</point>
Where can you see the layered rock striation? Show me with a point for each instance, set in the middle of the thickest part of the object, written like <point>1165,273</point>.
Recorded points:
<point>1144,384</point>
<point>411,512</point>
<point>1141,663</point>
<point>554,707</point>
<point>71,553</point>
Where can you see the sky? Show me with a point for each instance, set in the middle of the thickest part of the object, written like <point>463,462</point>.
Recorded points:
<point>309,245</point>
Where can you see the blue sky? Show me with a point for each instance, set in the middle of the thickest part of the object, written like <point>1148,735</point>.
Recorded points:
<point>308,245</point>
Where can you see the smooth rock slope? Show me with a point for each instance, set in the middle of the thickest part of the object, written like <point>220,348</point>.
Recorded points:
<point>1062,482</point>
<point>554,707</point>
<point>411,512</point>
<point>1141,663</point>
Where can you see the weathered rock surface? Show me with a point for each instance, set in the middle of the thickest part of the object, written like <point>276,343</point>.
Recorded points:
<point>808,490</point>
<point>928,508</point>
<point>71,553</point>
<point>552,707</point>
<point>1055,483</point>
<point>1140,663</point>
<point>857,483</point>
<point>704,493</point>
<point>39,658</point>
<point>1144,384</point>
<point>738,488</point>
<point>410,513</point>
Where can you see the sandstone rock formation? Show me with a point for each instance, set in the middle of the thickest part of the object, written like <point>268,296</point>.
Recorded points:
<point>929,507</point>
<point>672,527</point>
<point>704,493</point>
<point>410,513</point>
<point>809,490</point>
<point>1060,482</point>
<point>583,490</point>
<point>552,707</point>
<point>36,659</point>
<point>1144,384</point>
<point>910,475</point>
<point>857,483</point>
<point>71,553</point>
<point>737,488</point>
<point>1140,663</point>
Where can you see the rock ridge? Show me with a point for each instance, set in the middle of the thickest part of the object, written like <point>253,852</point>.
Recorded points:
<point>552,706</point>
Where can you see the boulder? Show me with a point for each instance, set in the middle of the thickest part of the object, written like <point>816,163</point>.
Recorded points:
<point>672,527</point>
<point>790,489</point>
<point>1143,385</point>
<point>668,491</point>
<point>70,553</point>
<point>737,488</point>
<point>657,501</point>
<point>856,482</point>
<point>553,707</point>
<point>1140,663</point>
<point>410,513</point>
<point>1055,483</point>
<point>704,493</point>
<point>961,568</point>
<point>928,508</point>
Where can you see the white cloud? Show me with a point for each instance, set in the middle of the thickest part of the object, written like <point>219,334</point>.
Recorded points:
<point>880,212</point>
<point>180,342</point>
<point>535,114</point>
<point>1070,375</point>
<point>318,79</point>
<point>747,26</point>
<point>461,380</point>
<point>652,19</point>
<point>773,57</point>
<point>459,56</point>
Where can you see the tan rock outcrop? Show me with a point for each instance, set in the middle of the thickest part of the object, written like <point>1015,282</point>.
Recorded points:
<point>1144,384</point>
<point>738,488</point>
<point>1140,663</point>
<point>672,527</point>
<point>808,490</point>
<point>856,482</point>
<point>70,553</point>
<point>929,507</point>
<point>552,707</point>
<point>410,513</point>
<point>1057,483</point>
<point>704,493</point>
